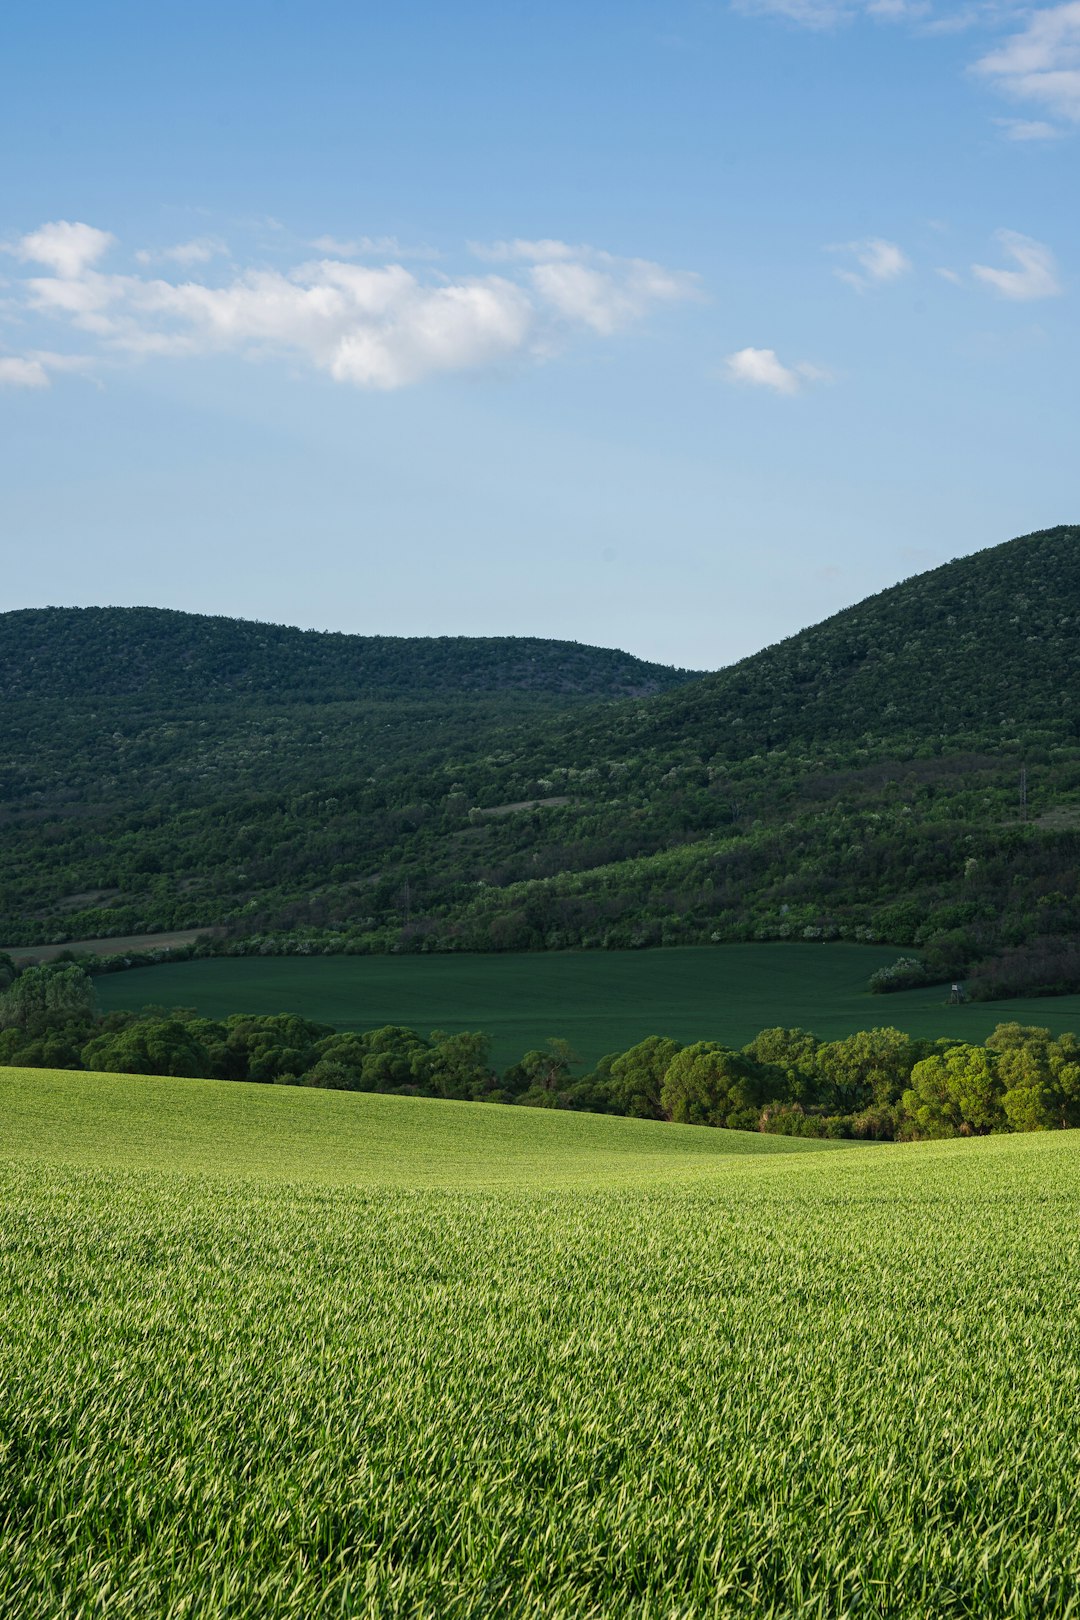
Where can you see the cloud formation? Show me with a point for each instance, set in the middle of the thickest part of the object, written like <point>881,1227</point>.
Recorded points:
<point>1041,63</point>
<point>67,249</point>
<point>878,261</point>
<point>377,326</point>
<point>21,371</point>
<point>1036,275</point>
<point>763,368</point>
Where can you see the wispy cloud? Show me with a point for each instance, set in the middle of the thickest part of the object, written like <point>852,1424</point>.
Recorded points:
<point>19,371</point>
<point>878,261</point>
<point>377,326</point>
<point>198,251</point>
<point>763,368</point>
<point>34,370</point>
<point>372,247</point>
<point>1036,273</point>
<point>1041,63</point>
<point>1028,129</point>
<point>823,14</point>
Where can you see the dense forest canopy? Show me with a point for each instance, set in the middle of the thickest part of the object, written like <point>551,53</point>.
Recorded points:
<point>907,771</point>
<point>162,656</point>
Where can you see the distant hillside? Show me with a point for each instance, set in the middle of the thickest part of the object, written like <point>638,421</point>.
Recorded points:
<point>165,657</point>
<point>908,772</point>
<point>981,649</point>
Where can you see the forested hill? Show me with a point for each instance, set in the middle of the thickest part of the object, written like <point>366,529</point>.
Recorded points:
<point>168,658</point>
<point>981,649</point>
<point>908,771</point>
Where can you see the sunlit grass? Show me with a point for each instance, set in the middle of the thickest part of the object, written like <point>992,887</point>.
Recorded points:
<point>588,1381</point>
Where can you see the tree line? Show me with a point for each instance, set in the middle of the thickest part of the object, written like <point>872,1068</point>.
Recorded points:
<point>877,1084</point>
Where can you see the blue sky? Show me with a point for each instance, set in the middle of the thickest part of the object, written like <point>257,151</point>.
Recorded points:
<point>673,327</point>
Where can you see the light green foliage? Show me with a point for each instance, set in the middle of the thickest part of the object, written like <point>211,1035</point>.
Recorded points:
<point>1040,1076</point>
<point>958,1090</point>
<point>636,1377</point>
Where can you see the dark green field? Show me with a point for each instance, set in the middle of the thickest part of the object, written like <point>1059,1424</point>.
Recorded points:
<point>600,1001</point>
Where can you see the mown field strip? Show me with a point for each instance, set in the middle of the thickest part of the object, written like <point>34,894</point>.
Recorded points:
<point>784,1384</point>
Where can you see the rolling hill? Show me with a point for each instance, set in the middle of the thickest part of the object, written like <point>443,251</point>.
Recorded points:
<point>907,771</point>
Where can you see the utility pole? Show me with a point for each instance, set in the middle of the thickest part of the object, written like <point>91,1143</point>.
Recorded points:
<point>1023,792</point>
<point>407,896</point>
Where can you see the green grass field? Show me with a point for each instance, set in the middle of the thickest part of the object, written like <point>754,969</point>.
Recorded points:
<point>601,1001</point>
<point>281,1354</point>
<point>233,1129</point>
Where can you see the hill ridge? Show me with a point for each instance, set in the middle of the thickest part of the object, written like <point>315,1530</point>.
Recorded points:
<point>175,655</point>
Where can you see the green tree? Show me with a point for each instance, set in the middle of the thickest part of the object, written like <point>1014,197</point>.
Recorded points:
<point>47,994</point>
<point>149,1046</point>
<point>1040,1076</point>
<point>636,1077</point>
<point>708,1084</point>
<point>872,1066</point>
<point>795,1052</point>
<point>456,1066</point>
<point>955,1093</point>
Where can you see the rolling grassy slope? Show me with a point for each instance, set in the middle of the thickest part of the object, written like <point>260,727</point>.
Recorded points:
<point>217,1127</point>
<point>602,1001</point>
<point>778,1384</point>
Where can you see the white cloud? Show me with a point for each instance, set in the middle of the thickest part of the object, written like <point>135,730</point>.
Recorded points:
<point>378,326</point>
<point>1042,62</point>
<point>17,371</point>
<point>879,261</point>
<point>606,299</point>
<point>1037,274</point>
<point>764,369</point>
<point>199,251</point>
<point>1028,129</point>
<point>949,275</point>
<point>33,370</point>
<point>66,248</point>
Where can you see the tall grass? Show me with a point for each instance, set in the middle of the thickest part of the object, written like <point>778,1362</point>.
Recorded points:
<point>788,1384</point>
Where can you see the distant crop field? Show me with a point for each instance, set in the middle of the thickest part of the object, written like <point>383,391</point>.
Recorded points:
<point>288,1354</point>
<point>601,1001</point>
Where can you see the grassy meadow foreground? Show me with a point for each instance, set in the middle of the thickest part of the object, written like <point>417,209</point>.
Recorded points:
<point>286,1353</point>
<point>601,1001</point>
